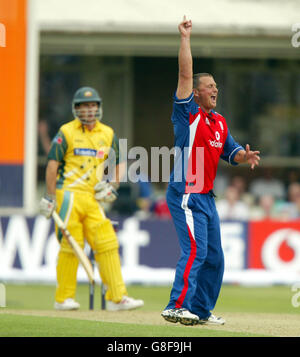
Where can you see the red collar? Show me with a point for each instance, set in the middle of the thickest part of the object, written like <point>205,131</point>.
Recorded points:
<point>209,115</point>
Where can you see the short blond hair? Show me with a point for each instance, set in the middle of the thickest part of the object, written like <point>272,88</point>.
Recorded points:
<point>197,76</point>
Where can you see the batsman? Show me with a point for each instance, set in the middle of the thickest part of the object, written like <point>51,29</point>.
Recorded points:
<point>75,189</point>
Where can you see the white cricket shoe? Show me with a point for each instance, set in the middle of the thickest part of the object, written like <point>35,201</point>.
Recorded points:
<point>212,320</point>
<point>180,315</point>
<point>127,303</point>
<point>69,304</point>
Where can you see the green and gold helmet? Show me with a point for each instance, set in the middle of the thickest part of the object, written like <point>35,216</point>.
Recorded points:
<point>86,95</point>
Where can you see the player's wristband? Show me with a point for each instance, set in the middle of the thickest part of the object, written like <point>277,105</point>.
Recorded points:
<point>50,197</point>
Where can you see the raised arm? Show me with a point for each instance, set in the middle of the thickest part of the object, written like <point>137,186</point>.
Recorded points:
<point>185,61</point>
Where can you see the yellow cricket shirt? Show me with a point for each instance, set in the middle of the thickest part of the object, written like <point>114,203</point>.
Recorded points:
<point>82,154</point>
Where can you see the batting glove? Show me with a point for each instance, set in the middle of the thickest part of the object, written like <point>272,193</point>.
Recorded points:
<point>47,206</point>
<point>105,192</point>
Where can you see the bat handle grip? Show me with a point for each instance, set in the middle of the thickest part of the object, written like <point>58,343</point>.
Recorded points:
<point>58,220</point>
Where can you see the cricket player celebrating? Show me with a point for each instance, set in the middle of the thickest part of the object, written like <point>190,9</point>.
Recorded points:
<point>199,272</point>
<point>75,189</point>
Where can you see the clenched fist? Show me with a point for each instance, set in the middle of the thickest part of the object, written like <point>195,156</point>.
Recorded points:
<point>105,192</point>
<point>47,206</point>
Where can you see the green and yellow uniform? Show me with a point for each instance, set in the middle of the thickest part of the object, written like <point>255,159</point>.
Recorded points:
<point>82,154</point>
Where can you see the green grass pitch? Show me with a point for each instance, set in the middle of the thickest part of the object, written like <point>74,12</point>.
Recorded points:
<point>249,311</point>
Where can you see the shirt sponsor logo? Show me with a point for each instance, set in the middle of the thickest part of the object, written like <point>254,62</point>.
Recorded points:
<point>85,152</point>
<point>215,144</point>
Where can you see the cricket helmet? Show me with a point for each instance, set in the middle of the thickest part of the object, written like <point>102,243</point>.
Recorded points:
<point>86,95</point>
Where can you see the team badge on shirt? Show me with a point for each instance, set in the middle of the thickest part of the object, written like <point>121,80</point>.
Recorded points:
<point>58,139</point>
<point>100,154</point>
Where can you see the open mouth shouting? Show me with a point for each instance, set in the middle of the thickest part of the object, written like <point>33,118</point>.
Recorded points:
<point>213,98</point>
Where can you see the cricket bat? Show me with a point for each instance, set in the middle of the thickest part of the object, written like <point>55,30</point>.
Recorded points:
<point>83,259</point>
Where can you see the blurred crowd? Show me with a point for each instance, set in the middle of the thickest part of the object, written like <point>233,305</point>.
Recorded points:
<point>265,197</point>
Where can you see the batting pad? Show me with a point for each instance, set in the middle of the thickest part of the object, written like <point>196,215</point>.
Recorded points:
<point>111,274</point>
<point>106,238</point>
